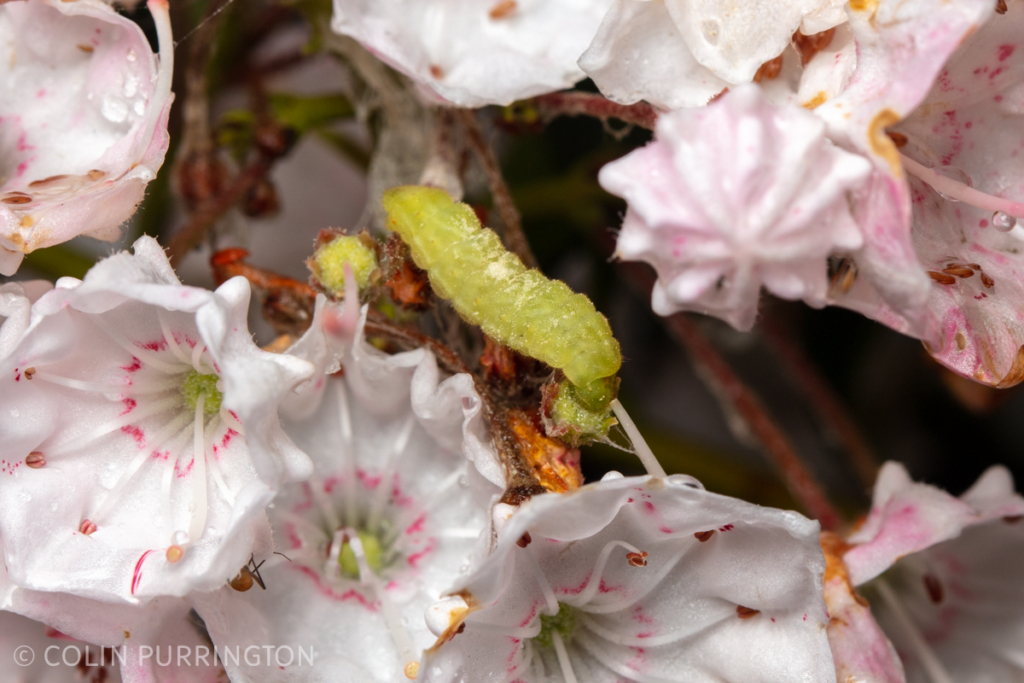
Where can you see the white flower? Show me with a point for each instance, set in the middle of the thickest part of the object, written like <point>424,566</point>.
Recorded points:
<point>732,196</point>
<point>141,439</point>
<point>477,52</point>
<point>83,121</point>
<point>640,579</point>
<point>681,54</point>
<point>394,512</point>
<point>31,651</point>
<point>950,597</point>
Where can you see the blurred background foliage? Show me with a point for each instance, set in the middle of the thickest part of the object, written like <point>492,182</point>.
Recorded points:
<point>259,65</point>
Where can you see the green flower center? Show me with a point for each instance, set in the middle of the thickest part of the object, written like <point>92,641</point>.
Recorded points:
<point>372,550</point>
<point>196,385</point>
<point>563,623</point>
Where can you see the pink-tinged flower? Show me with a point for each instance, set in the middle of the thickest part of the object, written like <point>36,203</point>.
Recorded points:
<point>141,438</point>
<point>942,574</point>
<point>674,54</point>
<point>734,196</point>
<point>393,514</point>
<point>83,121</point>
<point>940,255</point>
<point>639,579</point>
<point>16,310</point>
<point>477,52</point>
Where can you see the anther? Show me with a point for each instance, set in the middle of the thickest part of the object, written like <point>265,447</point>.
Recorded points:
<point>411,670</point>
<point>637,559</point>
<point>86,527</point>
<point>934,588</point>
<point>174,553</point>
<point>35,460</point>
<point>524,540</point>
<point>703,536</point>
<point>29,372</point>
<point>941,278</point>
<point>746,612</point>
<point>987,280</point>
<point>503,9</point>
<point>1001,7</point>
<point>898,139</point>
<point>959,271</point>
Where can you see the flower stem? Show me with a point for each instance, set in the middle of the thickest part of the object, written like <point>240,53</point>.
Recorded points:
<point>573,103</point>
<point>643,451</point>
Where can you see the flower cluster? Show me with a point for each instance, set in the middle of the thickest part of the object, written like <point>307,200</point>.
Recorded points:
<point>378,493</point>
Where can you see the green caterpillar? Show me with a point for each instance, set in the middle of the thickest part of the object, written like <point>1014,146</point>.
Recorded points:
<point>490,287</point>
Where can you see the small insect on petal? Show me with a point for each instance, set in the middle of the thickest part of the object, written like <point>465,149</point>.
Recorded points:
<point>637,559</point>
<point>412,669</point>
<point>524,540</point>
<point>746,612</point>
<point>174,553</point>
<point>86,527</point>
<point>703,536</point>
<point>934,588</point>
<point>35,460</point>
<point>942,278</point>
<point>29,372</point>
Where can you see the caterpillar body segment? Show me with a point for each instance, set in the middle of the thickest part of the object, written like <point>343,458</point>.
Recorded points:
<point>490,287</point>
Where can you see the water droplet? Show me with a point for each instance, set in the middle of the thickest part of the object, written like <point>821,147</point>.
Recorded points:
<point>131,55</point>
<point>54,506</point>
<point>131,85</point>
<point>140,108</point>
<point>463,569</point>
<point>1003,222</point>
<point>179,538</point>
<point>463,481</point>
<point>114,110</point>
<point>955,174</point>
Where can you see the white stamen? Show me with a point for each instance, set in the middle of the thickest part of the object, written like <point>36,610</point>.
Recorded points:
<point>348,457</point>
<point>165,491</point>
<point>392,617</point>
<point>643,451</point>
<point>595,577</point>
<point>172,343</point>
<point>162,90</point>
<point>230,420</point>
<point>80,385</point>
<point>197,352</point>
<point>215,473</point>
<point>918,644</point>
<point>542,581</point>
<point>137,351</point>
<point>198,506</point>
<point>383,492</point>
<point>333,568</point>
<point>79,442</point>
<point>962,192</point>
<point>563,657</point>
<point>316,489</point>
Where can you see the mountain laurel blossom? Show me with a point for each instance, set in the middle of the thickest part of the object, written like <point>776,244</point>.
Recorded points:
<point>734,196</point>
<point>83,121</point>
<point>638,578</point>
<point>141,439</point>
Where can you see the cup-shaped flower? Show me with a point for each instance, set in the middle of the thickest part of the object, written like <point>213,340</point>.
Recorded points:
<point>942,575</point>
<point>141,437</point>
<point>83,121</point>
<point>732,196</point>
<point>393,513</point>
<point>479,52</point>
<point>639,579</point>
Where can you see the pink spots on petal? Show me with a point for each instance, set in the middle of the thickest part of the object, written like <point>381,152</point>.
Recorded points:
<point>293,537</point>
<point>327,591</point>
<point>136,365</point>
<point>129,405</point>
<point>415,558</point>
<point>1003,52</point>
<point>369,481</point>
<point>159,345</point>
<point>160,455</point>
<point>307,499</point>
<point>630,500</point>
<point>983,223</point>
<point>182,473</point>
<point>664,529</point>
<point>417,526</point>
<point>135,433</point>
<point>727,527</point>
<point>41,93</point>
<point>640,617</point>
<point>645,634</point>
<point>533,613</point>
<point>805,617</point>
<point>649,506</point>
<point>137,573</point>
<point>996,72</point>
<point>330,483</point>
<point>574,591</point>
<point>9,467</point>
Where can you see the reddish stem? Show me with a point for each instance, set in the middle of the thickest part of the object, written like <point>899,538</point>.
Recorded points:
<point>573,103</point>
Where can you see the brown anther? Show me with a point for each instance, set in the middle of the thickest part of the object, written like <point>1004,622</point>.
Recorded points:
<point>746,612</point>
<point>174,553</point>
<point>976,266</point>
<point>637,559</point>
<point>959,271</point>
<point>704,536</point>
<point>987,280</point>
<point>1013,519</point>
<point>16,199</point>
<point>47,181</point>
<point>85,48</point>
<point>86,527</point>
<point>808,46</point>
<point>842,274</point>
<point>29,373</point>
<point>502,9</point>
<point>524,540</point>
<point>769,70</point>
<point>96,174</point>
<point>461,628</point>
<point>436,71</point>
<point>35,460</point>
<point>942,278</point>
<point>1001,7</point>
<point>934,588</point>
<point>898,139</point>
